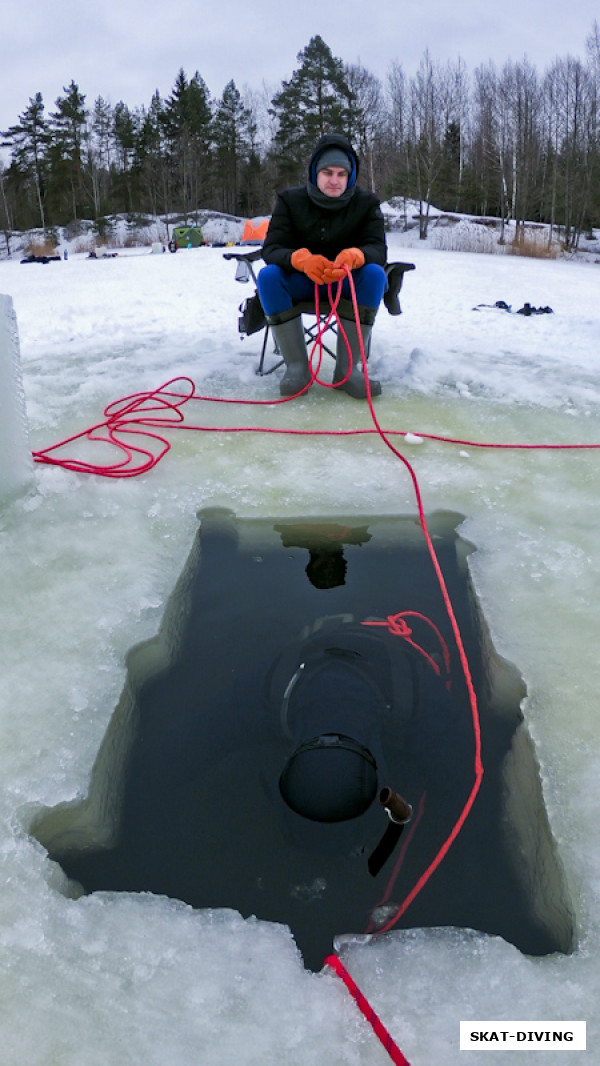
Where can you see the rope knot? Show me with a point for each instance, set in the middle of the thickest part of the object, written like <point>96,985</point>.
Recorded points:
<point>394,623</point>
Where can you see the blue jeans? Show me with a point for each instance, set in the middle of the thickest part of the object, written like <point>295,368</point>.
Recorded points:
<point>280,289</point>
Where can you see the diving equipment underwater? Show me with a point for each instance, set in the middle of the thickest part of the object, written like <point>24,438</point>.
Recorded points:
<point>278,749</point>
<point>333,776</point>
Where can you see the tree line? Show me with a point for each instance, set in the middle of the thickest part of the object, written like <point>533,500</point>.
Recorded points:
<point>509,143</point>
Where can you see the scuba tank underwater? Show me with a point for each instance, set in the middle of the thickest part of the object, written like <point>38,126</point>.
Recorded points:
<point>296,744</point>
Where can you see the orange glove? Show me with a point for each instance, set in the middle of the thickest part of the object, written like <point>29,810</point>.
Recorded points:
<point>352,258</point>
<point>313,266</point>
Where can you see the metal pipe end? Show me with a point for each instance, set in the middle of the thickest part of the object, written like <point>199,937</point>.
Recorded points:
<point>399,810</point>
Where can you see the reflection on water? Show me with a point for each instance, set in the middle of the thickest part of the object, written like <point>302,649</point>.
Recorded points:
<point>263,652</point>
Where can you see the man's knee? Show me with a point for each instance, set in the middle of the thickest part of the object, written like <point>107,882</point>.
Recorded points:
<point>370,283</point>
<point>375,272</point>
<point>273,289</point>
<point>269,278</point>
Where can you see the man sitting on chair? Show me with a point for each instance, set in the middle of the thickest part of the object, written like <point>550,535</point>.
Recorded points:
<point>317,230</point>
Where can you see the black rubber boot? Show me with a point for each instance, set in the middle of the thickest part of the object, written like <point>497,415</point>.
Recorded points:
<point>355,385</point>
<point>289,336</point>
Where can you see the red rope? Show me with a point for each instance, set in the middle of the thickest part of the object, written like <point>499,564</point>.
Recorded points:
<point>365,1007</point>
<point>129,427</point>
<point>133,416</point>
<point>392,1049</point>
<point>478,765</point>
<point>396,624</point>
<point>124,417</point>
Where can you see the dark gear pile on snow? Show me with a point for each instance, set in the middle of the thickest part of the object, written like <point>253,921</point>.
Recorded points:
<point>526,309</point>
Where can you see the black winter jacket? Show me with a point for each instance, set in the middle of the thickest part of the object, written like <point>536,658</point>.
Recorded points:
<point>297,222</point>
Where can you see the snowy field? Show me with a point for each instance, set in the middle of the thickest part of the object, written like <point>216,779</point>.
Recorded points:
<point>87,566</point>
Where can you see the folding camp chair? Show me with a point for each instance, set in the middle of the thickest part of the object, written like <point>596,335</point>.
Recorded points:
<point>252,318</point>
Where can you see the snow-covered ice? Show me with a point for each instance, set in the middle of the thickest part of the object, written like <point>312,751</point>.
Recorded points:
<point>87,566</point>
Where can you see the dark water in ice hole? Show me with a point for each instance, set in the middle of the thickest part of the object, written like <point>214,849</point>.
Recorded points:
<point>184,798</point>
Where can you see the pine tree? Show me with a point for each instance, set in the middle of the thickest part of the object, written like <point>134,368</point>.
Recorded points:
<point>151,158</point>
<point>188,127</point>
<point>6,222</point>
<point>316,100</point>
<point>124,139</point>
<point>68,128</point>
<point>232,145</point>
<point>98,149</point>
<point>102,124</point>
<point>29,140</point>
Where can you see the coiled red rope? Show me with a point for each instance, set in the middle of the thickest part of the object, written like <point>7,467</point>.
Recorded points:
<point>136,416</point>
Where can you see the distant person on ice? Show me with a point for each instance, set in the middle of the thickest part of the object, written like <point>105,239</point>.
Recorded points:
<point>315,231</point>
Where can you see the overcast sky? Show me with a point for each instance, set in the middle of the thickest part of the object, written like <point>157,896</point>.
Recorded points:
<point>125,49</point>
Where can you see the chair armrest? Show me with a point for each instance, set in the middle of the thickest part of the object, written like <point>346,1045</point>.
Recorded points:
<point>251,257</point>
<point>244,260</point>
<point>394,273</point>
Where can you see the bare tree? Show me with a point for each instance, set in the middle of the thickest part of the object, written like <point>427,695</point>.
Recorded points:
<point>486,157</point>
<point>426,134</point>
<point>569,100</point>
<point>395,157</point>
<point>593,121</point>
<point>366,116</point>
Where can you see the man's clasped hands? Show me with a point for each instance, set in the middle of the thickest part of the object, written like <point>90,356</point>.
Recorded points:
<point>321,270</point>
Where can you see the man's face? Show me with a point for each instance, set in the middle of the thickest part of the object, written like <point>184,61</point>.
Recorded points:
<point>332,181</point>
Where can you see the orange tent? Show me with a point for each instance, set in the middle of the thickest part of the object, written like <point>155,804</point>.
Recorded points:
<point>255,231</point>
